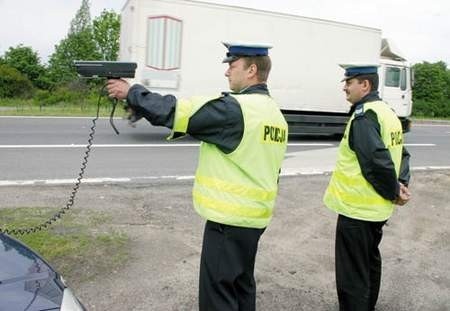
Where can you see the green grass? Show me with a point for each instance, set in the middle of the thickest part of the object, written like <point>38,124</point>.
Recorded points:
<point>88,108</point>
<point>78,245</point>
<point>28,107</point>
<point>66,110</point>
<point>428,118</point>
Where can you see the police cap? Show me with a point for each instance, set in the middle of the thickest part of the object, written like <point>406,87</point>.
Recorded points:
<point>354,70</point>
<point>237,50</point>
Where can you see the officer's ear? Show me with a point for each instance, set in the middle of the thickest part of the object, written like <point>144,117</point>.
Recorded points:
<point>252,70</point>
<point>366,84</point>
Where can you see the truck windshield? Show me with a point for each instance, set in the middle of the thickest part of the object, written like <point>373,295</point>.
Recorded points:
<point>392,77</point>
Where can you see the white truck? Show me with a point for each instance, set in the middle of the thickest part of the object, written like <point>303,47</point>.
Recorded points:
<point>177,46</point>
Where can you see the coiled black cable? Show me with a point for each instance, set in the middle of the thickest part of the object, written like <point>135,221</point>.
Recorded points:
<point>71,200</point>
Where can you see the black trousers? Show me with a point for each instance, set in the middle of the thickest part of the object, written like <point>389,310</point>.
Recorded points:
<point>358,263</point>
<point>227,268</point>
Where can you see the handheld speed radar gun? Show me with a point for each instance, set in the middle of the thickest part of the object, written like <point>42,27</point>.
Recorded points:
<point>105,69</point>
<point>108,70</point>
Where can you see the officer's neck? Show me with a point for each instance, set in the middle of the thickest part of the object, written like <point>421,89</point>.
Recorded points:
<point>369,97</point>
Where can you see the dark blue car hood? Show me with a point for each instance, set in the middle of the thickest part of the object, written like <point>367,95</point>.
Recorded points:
<point>27,282</point>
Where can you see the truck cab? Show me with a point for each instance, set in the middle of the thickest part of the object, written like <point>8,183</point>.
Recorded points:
<point>395,86</point>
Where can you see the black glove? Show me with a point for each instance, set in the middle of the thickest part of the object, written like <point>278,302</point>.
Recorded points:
<point>133,115</point>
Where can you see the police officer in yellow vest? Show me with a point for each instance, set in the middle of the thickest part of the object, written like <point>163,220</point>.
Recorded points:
<point>371,175</point>
<point>244,139</point>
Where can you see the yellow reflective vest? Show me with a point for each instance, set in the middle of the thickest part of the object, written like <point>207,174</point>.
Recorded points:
<point>348,192</point>
<point>239,188</point>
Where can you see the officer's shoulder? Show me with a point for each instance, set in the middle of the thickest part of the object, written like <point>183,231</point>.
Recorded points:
<point>225,96</point>
<point>359,111</point>
<point>362,114</point>
<point>228,98</point>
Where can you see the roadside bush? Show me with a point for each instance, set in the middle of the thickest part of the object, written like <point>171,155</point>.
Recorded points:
<point>423,108</point>
<point>430,81</point>
<point>62,95</point>
<point>431,91</point>
<point>13,83</point>
<point>72,94</point>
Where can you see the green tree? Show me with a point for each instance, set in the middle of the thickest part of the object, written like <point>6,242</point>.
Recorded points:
<point>82,19</point>
<point>448,83</point>
<point>431,91</point>
<point>430,81</point>
<point>106,31</point>
<point>27,61</point>
<point>78,45</point>
<point>13,83</point>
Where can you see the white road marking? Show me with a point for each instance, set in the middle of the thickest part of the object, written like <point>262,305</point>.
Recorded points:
<point>174,177</point>
<point>139,145</point>
<point>49,117</point>
<point>98,180</point>
<point>98,146</point>
<point>432,168</point>
<point>312,144</point>
<point>168,145</point>
<point>430,125</point>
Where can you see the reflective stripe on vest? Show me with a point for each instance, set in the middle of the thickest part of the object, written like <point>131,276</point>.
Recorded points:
<point>348,192</point>
<point>242,207</point>
<point>240,188</point>
<point>236,189</point>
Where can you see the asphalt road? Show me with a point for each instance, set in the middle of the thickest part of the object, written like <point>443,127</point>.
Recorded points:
<point>51,150</point>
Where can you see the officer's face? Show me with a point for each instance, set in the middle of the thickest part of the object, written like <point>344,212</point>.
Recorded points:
<point>237,75</point>
<point>355,90</point>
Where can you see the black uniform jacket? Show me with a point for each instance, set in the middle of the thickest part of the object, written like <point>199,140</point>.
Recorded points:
<point>219,122</point>
<point>373,156</point>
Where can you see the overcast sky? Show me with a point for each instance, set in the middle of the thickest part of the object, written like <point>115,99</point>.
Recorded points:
<point>420,29</point>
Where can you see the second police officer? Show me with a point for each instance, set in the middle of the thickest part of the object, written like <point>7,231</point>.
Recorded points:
<point>370,177</point>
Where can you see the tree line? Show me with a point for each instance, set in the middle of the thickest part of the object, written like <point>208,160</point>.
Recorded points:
<point>431,90</point>
<point>22,75</point>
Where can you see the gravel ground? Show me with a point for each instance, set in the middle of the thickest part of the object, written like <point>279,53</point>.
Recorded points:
<point>295,262</point>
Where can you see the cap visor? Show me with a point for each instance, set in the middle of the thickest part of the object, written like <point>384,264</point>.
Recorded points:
<point>348,78</point>
<point>230,59</point>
